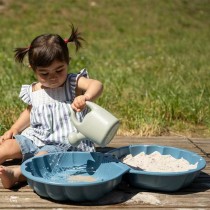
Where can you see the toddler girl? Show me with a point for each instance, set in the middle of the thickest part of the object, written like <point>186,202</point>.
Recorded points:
<point>44,126</point>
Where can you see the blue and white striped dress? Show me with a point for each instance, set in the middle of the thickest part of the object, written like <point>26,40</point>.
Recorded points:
<point>50,122</point>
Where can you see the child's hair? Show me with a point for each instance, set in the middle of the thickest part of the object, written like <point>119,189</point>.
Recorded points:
<point>46,48</point>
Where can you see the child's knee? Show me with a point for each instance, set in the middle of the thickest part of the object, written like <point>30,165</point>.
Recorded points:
<point>41,153</point>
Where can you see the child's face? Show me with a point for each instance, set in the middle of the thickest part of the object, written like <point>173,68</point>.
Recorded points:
<point>52,76</point>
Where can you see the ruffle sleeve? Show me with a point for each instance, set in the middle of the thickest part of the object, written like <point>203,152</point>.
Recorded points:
<point>74,79</point>
<point>25,94</point>
<point>82,73</point>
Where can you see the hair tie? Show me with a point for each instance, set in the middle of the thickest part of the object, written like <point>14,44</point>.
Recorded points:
<point>66,40</point>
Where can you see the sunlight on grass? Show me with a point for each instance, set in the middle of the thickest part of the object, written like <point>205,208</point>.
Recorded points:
<point>152,56</point>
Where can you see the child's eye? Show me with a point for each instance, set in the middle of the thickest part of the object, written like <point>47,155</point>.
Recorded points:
<point>59,71</point>
<point>44,74</point>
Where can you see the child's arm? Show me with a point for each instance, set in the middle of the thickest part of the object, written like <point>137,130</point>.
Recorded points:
<point>92,88</point>
<point>22,122</point>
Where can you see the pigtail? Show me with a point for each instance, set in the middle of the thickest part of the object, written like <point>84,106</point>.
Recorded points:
<point>75,37</point>
<point>20,54</point>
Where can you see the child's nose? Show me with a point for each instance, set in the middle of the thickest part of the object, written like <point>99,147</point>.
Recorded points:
<point>52,76</point>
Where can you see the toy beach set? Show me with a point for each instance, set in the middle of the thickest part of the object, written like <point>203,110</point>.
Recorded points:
<point>88,176</point>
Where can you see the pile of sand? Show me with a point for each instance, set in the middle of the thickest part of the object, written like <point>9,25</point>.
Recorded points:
<point>155,162</point>
<point>80,178</point>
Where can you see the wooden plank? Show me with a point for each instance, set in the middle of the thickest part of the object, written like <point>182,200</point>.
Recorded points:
<point>127,199</point>
<point>204,145</point>
<point>178,142</point>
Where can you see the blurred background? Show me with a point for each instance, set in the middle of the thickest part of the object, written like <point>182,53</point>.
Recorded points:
<point>153,57</point>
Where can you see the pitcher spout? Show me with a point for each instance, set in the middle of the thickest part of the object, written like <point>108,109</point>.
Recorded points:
<point>76,138</point>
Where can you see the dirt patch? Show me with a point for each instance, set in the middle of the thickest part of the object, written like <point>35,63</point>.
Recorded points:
<point>4,4</point>
<point>144,197</point>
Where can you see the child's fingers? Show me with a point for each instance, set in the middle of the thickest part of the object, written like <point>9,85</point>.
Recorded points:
<point>78,103</point>
<point>74,107</point>
<point>8,135</point>
<point>1,139</point>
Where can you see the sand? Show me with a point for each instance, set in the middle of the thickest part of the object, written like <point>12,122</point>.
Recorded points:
<point>80,178</point>
<point>155,162</point>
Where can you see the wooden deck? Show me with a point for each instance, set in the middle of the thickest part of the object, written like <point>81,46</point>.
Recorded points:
<point>196,196</point>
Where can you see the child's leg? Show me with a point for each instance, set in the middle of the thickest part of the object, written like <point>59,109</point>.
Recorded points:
<point>10,176</point>
<point>9,149</point>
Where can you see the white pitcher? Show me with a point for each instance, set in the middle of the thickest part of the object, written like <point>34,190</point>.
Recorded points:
<point>98,125</point>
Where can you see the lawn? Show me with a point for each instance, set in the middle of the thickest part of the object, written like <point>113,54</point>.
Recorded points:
<point>153,57</point>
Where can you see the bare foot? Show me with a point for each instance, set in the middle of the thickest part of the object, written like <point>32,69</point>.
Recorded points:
<point>7,177</point>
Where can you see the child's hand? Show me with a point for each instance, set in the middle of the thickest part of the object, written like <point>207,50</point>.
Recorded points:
<point>79,103</point>
<point>8,135</point>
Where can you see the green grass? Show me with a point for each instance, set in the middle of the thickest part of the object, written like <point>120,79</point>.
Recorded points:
<point>151,55</point>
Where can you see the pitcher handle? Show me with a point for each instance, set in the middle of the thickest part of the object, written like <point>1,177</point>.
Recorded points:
<point>74,118</point>
<point>92,105</point>
<point>89,104</point>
